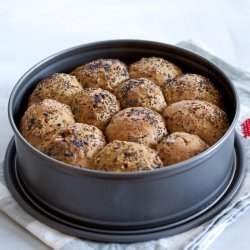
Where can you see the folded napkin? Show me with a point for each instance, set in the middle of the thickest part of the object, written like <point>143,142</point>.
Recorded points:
<point>200,237</point>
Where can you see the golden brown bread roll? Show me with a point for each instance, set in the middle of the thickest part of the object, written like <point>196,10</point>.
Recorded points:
<point>102,73</point>
<point>95,107</point>
<point>60,87</point>
<point>180,146</point>
<point>158,70</point>
<point>197,117</point>
<point>44,118</point>
<point>192,87</point>
<point>141,93</point>
<point>123,156</point>
<point>75,144</point>
<point>141,125</point>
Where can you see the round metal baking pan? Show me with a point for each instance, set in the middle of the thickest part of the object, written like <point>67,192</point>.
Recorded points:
<point>44,214</point>
<point>127,201</point>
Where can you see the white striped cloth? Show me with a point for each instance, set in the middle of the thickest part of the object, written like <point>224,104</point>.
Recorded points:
<point>198,238</point>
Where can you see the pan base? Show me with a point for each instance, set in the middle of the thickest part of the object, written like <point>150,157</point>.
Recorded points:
<point>32,206</point>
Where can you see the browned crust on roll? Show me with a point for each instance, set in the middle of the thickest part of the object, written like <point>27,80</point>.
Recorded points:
<point>180,146</point>
<point>141,93</point>
<point>95,107</point>
<point>76,144</point>
<point>43,119</point>
<point>123,156</point>
<point>102,73</point>
<point>60,87</point>
<point>157,69</point>
<point>140,125</point>
<point>192,87</point>
<point>197,117</point>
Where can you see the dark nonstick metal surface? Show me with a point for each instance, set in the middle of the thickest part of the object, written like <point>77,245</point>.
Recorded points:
<point>45,215</point>
<point>128,201</point>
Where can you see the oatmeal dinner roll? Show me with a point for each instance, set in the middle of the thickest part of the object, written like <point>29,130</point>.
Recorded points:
<point>60,87</point>
<point>44,118</point>
<point>123,156</point>
<point>197,117</point>
<point>141,125</point>
<point>192,87</point>
<point>102,73</point>
<point>95,107</point>
<point>141,93</point>
<point>180,146</point>
<point>75,144</point>
<point>158,70</point>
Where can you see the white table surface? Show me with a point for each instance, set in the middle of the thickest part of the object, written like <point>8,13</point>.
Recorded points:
<point>33,30</point>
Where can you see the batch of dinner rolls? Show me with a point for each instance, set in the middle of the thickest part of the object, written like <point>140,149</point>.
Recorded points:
<point>107,116</point>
